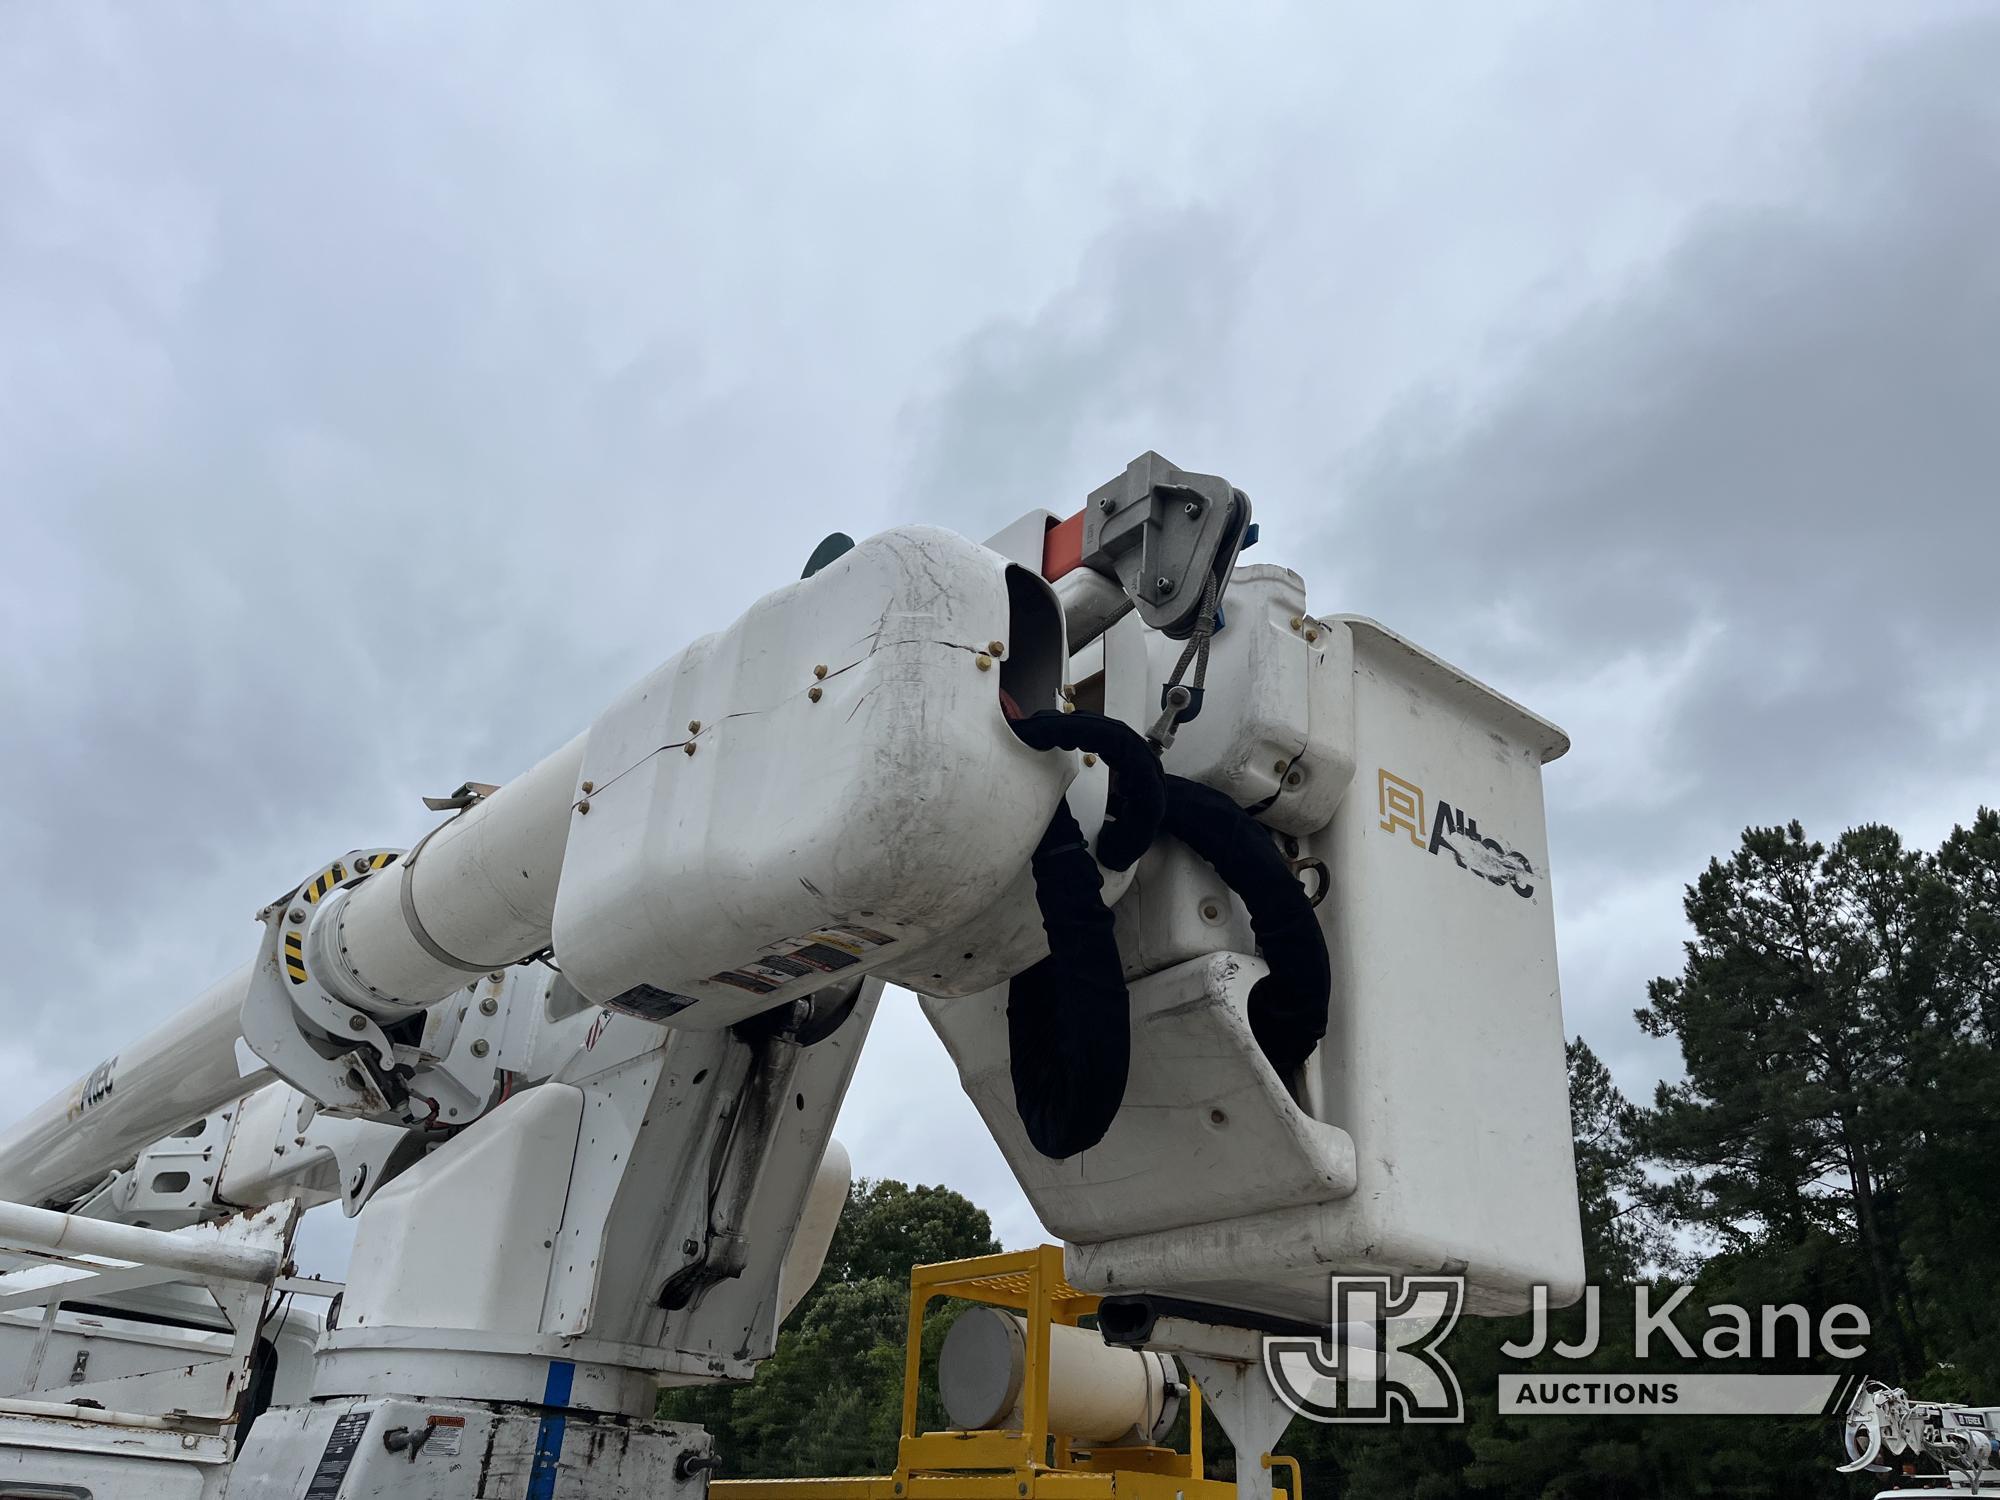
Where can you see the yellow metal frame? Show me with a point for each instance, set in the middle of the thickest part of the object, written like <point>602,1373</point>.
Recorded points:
<point>1010,1465</point>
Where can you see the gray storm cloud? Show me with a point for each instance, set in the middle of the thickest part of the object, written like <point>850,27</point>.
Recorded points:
<point>380,393</point>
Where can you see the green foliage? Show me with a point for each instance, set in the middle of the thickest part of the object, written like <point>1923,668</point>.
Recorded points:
<point>830,1400</point>
<point>888,1227</point>
<point>1835,1138</point>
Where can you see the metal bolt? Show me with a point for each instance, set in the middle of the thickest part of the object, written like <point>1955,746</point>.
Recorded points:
<point>357,1023</point>
<point>295,916</point>
<point>1164,584</point>
<point>1192,508</point>
<point>820,670</point>
<point>584,806</point>
<point>488,1006</point>
<point>984,661</point>
<point>690,747</point>
<point>1068,707</point>
<point>688,1247</point>
<point>815,693</point>
<point>1297,622</point>
<point>590,786</point>
<point>481,1047</point>
<point>1217,1117</point>
<point>1089,759</point>
<point>1293,778</point>
<point>1069,692</point>
<point>1210,912</point>
<point>1108,504</point>
<point>998,648</point>
<point>1280,767</point>
<point>1312,635</point>
<point>694,726</point>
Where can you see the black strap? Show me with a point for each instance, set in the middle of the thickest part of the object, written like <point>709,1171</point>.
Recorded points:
<point>1069,1026</point>
<point>1288,1005</point>
<point>1137,796</point>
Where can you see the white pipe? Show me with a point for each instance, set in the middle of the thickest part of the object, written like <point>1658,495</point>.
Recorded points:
<point>25,1228</point>
<point>169,1078</point>
<point>68,1411</point>
<point>483,890</point>
<point>1091,604</point>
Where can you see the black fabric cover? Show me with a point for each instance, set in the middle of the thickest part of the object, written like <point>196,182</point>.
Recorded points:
<point>1288,1005</point>
<point>1137,796</point>
<point>1069,1027</point>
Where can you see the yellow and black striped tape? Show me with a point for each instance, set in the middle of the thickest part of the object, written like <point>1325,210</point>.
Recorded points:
<point>295,957</point>
<point>331,878</point>
<point>337,872</point>
<point>323,882</point>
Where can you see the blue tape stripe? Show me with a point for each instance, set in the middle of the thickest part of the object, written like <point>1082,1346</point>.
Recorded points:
<point>549,1436</point>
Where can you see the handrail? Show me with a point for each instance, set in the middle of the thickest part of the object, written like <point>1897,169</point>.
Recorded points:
<point>1286,1461</point>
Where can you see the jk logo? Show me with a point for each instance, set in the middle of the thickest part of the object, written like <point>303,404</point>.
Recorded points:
<point>1381,1358</point>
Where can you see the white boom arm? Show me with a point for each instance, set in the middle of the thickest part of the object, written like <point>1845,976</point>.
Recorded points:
<point>576,1056</point>
<point>1887,1431</point>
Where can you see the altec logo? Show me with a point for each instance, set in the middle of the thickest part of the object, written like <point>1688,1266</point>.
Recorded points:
<point>1453,831</point>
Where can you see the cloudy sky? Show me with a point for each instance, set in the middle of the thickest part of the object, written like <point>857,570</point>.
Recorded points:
<point>382,388</point>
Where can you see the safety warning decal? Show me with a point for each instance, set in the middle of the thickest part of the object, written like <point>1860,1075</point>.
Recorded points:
<point>823,951</point>
<point>337,1455</point>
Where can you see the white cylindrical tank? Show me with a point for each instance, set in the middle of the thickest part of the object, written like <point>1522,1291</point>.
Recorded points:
<point>168,1078</point>
<point>1097,1394</point>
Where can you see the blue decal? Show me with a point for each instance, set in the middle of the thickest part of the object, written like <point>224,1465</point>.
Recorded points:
<point>549,1436</point>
